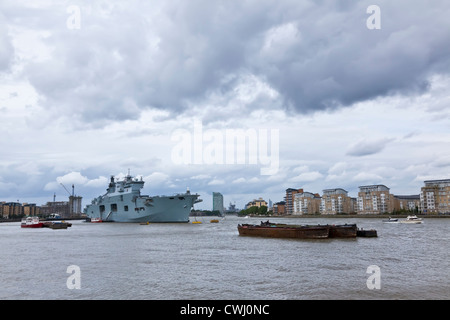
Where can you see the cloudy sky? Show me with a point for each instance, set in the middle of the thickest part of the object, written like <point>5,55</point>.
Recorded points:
<point>325,93</point>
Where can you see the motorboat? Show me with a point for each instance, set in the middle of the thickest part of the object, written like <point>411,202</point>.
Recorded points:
<point>31,222</point>
<point>412,220</point>
<point>391,220</point>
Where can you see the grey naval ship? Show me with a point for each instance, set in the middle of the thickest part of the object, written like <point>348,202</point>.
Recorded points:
<point>123,202</point>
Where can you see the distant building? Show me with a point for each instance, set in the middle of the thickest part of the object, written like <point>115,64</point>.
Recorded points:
<point>30,209</point>
<point>60,207</point>
<point>435,197</point>
<point>218,202</point>
<point>354,205</point>
<point>75,205</point>
<point>16,209</point>
<point>232,208</point>
<point>10,209</point>
<point>66,209</point>
<point>375,199</point>
<point>306,203</point>
<point>407,203</point>
<point>336,201</point>
<point>289,199</point>
<point>279,208</point>
<point>256,203</point>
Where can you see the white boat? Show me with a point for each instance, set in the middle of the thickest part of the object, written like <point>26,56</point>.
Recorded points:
<point>391,220</point>
<point>412,220</point>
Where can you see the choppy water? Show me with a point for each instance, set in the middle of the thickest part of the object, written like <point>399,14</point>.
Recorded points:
<point>211,261</point>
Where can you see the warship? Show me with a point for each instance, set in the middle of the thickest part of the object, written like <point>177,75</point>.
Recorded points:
<point>123,202</point>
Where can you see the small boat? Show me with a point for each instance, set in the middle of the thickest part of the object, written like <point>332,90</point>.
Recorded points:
<point>390,220</point>
<point>57,224</point>
<point>412,220</point>
<point>214,220</point>
<point>96,220</point>
<point>31,222</point>
<point>144,223</point>
<point>366,233</point>
<point>196,221</point>
<point>286,231</point>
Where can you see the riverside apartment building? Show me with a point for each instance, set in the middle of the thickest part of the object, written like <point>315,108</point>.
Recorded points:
<point>435,197</point>
<point>375,199</point>
<point>337,201</point>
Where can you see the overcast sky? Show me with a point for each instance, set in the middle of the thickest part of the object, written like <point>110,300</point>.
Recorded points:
<point>328,93</point>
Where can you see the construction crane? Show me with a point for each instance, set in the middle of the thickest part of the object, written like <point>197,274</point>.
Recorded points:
<point>73,189</point>
<point>71,197</point>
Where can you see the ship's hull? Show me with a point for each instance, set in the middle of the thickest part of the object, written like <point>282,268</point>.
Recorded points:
<point>343,231</point>
<point>307,232</point>
<point>335,231</point>
<point>129,208</point>
<point>34,225</point>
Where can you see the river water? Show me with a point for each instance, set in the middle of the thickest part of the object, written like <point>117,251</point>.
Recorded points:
<point>211,261</point>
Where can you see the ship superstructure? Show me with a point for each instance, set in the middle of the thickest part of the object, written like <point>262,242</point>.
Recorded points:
<point>123,202</point>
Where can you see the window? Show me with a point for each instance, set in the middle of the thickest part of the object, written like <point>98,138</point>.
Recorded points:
<point>102,208</point>
<point>125,208</point>
<point>113,207</point>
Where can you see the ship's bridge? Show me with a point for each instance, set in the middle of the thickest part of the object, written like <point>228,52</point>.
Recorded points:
<point>127,185</point>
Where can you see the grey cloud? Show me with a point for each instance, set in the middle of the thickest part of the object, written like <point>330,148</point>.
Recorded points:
<point>6,48</point>
<point>367,147</point>
<point>171,55</point>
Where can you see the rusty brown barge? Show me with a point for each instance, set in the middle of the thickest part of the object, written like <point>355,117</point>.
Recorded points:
<point>277,230</point>
<point>295,232</point>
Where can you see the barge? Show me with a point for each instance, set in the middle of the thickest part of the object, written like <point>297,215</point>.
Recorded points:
<point>278,230</point>
<point>293,232</point>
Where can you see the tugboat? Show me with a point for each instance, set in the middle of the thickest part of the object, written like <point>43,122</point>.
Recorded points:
<point>31,222</point>
<point>123,202</point>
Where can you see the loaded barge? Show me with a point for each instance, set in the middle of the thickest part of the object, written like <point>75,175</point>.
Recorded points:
<point>297,232</point>
<point>277,230</point>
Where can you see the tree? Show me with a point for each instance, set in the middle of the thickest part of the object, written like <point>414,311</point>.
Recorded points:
<point>262,210</point>
<point>254,210</point>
